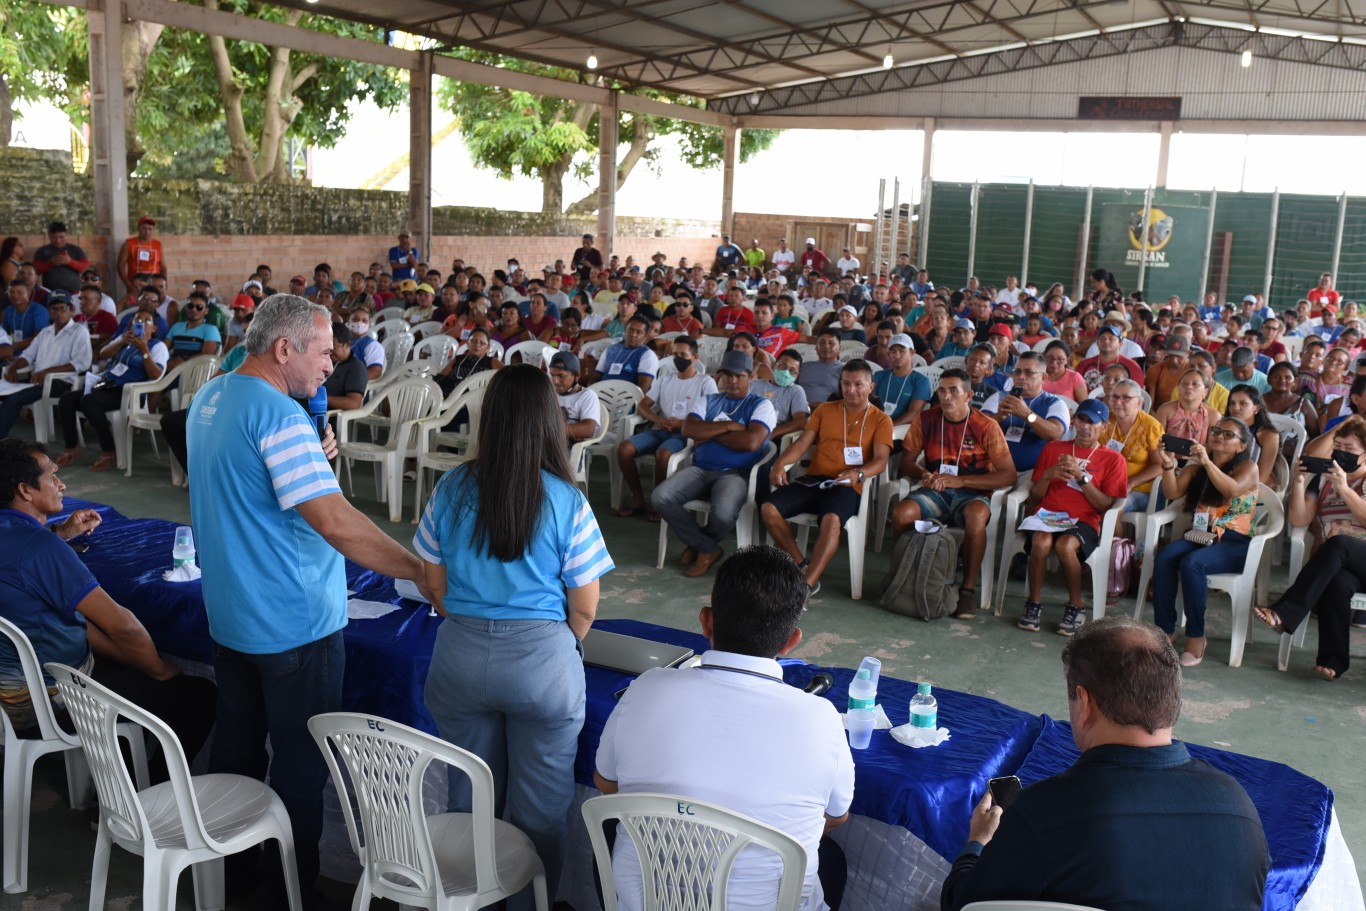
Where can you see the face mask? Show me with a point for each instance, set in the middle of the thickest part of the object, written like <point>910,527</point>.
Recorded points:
<point>784,377</point>
<point>682,363</point>
<point>358,328</point>
<point>1348,460</point>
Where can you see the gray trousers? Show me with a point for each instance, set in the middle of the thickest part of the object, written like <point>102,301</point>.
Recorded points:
<point>727,491</point>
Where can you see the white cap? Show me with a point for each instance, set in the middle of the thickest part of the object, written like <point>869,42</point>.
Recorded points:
<point>903,340</point>
<point>811,241</point>
<point>847,309</point>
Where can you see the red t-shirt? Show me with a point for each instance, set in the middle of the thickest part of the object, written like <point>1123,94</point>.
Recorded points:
<point>102,323</point>
<point>775,338</point>
<point>815,259</point>
<point>734,319</point>
<point>1109,473</point>
<point>1091,371</point>
<point>1317,297</point>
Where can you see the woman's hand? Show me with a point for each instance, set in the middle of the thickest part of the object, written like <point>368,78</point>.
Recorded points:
<point>1200,454</point>
<point>1337,476</point>
<point>1168,460</point>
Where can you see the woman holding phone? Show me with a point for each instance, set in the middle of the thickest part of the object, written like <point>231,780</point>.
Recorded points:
<point>513,555</point>
<point>1219,483</point>
<point>1326,584</point>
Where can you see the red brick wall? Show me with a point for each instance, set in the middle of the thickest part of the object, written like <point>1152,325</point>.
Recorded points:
<point>227,260</point>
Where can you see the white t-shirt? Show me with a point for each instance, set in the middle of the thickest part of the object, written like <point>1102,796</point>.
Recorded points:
<point>784,259</point>
<point>1012,298</point>
<point>847,264</point>
<point>580,406</point>
<point>1127,347</point>
<point>675,397</point>
<point>746,726</point>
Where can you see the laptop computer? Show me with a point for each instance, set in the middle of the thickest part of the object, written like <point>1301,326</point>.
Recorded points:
<point>630,654</point>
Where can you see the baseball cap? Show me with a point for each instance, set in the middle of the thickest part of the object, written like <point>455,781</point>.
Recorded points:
<point>253,283</point>
<point>298,278</point>
<point>1178,344</point>
<point>244,300</point>
<point>425,287</point>
<point>58,297</point>
<point>848,309</point>
<point>903,340</point>
<point>1110,329</point>
<point>409,285</point>
<point>1001,329</point>
<point>1094,410</point>
<point>962,323</point>
<point>736,362</point>
<point>811,241</point>
<point>1114,316</point>
<point>565,360</point>
<point>1249,298</point>
<point>147,220</point>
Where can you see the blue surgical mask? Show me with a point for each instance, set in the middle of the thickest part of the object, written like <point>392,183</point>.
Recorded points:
<point>784,377</point>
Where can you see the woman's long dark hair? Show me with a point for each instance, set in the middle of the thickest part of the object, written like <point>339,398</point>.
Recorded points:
<point>1201,490</point>
<point>1260,422</point>
<point>521,434</point>
<point>7,247</point>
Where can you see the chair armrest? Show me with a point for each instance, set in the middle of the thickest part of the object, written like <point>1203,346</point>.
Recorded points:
<point>65,375</point>
<point>680,459</point>
<point>346,416</point>
<point>630,423</point>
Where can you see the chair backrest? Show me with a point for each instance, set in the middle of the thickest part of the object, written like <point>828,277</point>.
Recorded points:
<point>687,848</point>
<point>805,349</point>
<point>1013,905</point>
<point>440,349</point>
<point>593,349</point>
<point>396,348</point>
<point>391,313</point>
<point>426,330</point>
<point>529,351</point>
<point>578,453</point>
<point>96,710</point>
<point>944,363</point>
<point>195,374</point>
<point>852,349</point>
<point>711,349</point>
<point>619,396</point>
<point>410,400</point>
<point>390,328</point>
<point>385,765</point>
<point>48,728</point>
<point>1269,520</point>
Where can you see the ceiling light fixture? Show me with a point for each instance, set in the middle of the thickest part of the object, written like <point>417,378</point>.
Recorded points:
<point>888,62</point>
<point>754,99</point>
<point>1247,57</point>
<point>592,60</point>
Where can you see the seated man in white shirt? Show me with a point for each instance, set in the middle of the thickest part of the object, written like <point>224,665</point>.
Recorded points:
<point>580,406</point>
<point>63,346</point>
<point>772,752</point>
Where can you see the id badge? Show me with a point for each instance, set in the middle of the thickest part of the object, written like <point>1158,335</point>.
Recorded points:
<point>950,470</point>
<point>1014,434</point>
<point>680,409</point>
<point>118,369</point>
<point>144,255</point>
<point>730,327</point>
<point>853,455</point>
<point>1201,521</point>
<point>615,370</point>
<point>889,407</point>
<point>1116,445</point>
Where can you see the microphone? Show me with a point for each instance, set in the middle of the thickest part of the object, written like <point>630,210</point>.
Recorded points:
<point>317,411</point>
<point>819,684</point>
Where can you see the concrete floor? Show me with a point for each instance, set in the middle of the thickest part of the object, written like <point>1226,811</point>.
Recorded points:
<point>1314,726</point>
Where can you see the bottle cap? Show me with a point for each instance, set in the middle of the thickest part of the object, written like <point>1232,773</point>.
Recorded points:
<point>863,674</point>
<point>922,689</point>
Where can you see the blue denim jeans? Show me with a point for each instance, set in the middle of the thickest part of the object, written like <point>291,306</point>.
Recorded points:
<point>727,491</point>
<point>274,695</point>
<point>512,692</point>
<point>1190,565</point>
<point>12,404</point>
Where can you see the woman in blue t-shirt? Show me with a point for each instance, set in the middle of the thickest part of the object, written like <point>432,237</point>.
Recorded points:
<point>513,554</point>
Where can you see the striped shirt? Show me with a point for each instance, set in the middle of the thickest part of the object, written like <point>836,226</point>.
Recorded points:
<point>271,583</point>
<point>567,551</point>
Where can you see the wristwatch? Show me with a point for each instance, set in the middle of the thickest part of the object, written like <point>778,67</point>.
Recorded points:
<point>1032,418</point>
<point>1085,478</point>
<point>860,475</point>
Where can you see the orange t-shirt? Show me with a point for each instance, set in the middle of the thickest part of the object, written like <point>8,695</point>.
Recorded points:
<point>835,429</point>
<point>144,257</point>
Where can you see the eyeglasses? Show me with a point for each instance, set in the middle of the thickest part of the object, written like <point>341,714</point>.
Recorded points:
<point>1222,434</point>
<point>1018,372</point>
<point>1123,398</point>
<point>195,307</point>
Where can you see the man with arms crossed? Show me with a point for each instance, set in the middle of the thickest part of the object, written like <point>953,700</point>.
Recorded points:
<point>273,528</point>
<point>1135,823</point>
<point>746,720</point>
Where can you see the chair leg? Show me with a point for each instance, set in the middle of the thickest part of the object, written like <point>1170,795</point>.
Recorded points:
<point>393,466</point>
<point>99,870</point>
<point>18,797</point>
<point>882,508</point>
<point>80,786</point>
<point>987,575</point>
<point>159,881</point>
<point>1241,596</point>
<point>538,889</point>
<point>417,492</point>
<point>1014,545</point>
<point>858,533</point>
<point>744,526</point>
<point>663,544</point>
<point>1100,583</point>
<point>208,885</point>
<point>1283,652</point>
<point>289,863</point>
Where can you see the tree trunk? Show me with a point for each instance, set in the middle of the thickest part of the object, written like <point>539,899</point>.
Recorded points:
<point>139,38</point>
<point>6,114</point>
<point>552,188</point>
<point>241,161</point>
<point>279,109</point>
<point>641,134</point>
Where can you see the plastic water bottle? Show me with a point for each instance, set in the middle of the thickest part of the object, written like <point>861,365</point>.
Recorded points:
<point>863,703</point>
<point>183,550</point>
<point>924,714</point>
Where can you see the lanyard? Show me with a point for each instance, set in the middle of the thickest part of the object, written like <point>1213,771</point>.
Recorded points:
<point>962,438</point>
<point>1086,461</point>
<point>844,426</point>
<point>906,379</point>
<point>739,670</point>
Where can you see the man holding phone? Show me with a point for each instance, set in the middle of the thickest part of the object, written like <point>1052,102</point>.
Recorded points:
<point>1136,823</point>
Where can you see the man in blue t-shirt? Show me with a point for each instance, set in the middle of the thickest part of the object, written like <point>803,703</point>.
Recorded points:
<point>403,259</point>
<point>631,359</point>
<point>730,430</point>
<point>69,618</point>
<point>902,391</point>
<point>1028,416</point>
<point>271,547</point>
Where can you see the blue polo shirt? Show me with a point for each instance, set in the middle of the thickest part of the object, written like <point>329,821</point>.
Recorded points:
<point>715,456</point>
<point>271,583</point>
<point>186,342</point>
<point>897,392</point>
<point>567,551</point>
<point>41,582</point>
<point>622,363</point>
<point>29,323</point>
<point>1026,445</point>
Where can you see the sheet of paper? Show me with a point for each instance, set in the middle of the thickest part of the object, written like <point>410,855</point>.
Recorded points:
<point>1047,520</point>
<point>356,609</point>
<point>8,388</point>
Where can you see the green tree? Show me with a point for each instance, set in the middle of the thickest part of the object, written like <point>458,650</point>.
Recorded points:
<point>42,58</point>
<point>515,132</point>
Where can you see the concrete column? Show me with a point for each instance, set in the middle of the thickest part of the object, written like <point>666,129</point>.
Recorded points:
<point>927,149</point>
<point>420,155</point>
<point>108,148</point>
<point>607,176</point>
<point>1164,150</point>
<point>730,157</point>
<point>921,230</point>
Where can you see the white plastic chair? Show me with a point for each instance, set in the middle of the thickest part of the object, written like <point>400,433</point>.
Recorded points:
<point>427,329</point>
<point>530,351</point>
<point>807,351</point>
<point>22,753</point>
<point>135,414</point>
<point>580,451</point>
<point>182,822</point>
<point>438,350</point>
<point>45,409</point>
<point>1015,905</point>
<point>946,363</point>
<point>856,528</point>
<point>468,395</point>
<point>495,349</point>
<point>1098,562</point>
<point>852,349</point>
<point>746,527</point>
<point>391,315</point>
<point>711,349</point>
<point>621,399</point>
<point>444,862</point>
<point>409,402</point>
<point>391,328</point>
<point>686,849</point>
<point>396,347</point>
<point>593,349</point>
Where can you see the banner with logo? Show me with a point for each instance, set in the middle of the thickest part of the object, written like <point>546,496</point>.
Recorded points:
<point>1176,247</point>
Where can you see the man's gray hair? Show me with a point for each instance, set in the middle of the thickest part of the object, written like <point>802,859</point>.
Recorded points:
<point>1242,357</point>
<point>283,316</point>
<point>1130,385</point>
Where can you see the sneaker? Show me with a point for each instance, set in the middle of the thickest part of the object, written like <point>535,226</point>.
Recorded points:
<point>1029,620</point>
<point>1359,619</point>
<point>1072,620</point>
<point>813,589</point>
<point>967,604</point>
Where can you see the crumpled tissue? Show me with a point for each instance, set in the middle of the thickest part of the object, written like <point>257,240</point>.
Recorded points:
<point>358,609</point>
<point>905,734</point>
<point>185,572</point>
<point>880,720</point>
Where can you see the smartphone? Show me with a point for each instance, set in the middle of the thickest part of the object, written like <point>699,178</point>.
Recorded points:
<point>138,328</point>
<point>1315,465</point>
<point>1003,790</point>
<point>1177,445</point>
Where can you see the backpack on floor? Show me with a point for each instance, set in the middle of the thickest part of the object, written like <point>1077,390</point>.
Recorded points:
<point>921,580</point>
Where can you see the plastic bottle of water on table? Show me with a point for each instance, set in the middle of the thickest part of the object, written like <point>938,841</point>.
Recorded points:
<point>863,703</point>
<point>924,714</point>
<point>182,552</point>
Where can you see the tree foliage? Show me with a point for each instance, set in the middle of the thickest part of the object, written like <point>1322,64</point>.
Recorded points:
<point>517,133</point>
<point>42,58</point>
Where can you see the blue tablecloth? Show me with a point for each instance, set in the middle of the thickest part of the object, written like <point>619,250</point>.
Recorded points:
<point>929,791</point>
